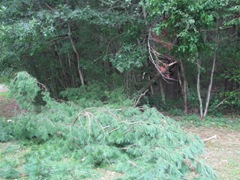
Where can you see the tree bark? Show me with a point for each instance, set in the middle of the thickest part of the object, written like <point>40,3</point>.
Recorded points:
<point>80,73</point>
<point>212,73</point>
<point>184,87</point>
<point>162,92</point>
<point>199,87</point>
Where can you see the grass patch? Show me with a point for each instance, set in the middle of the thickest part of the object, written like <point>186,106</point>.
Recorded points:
<point>4,94</point>
<point>234,168</point>
<point>231,122</point>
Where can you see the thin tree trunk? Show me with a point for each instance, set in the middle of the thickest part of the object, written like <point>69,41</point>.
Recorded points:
<point>70,68</point>
<point>199,87</point>
<point>80,73</point>
<point>66,79</point>
<point>163,96</point>
<point>184,87</point>
<point>211,77</point>
<point>151,87</point>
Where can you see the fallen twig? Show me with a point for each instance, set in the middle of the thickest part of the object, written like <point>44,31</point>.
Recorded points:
<point>208,139</point>
<point>138,99</point>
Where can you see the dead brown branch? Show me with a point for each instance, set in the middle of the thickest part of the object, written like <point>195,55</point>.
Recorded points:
<point>154,56</point>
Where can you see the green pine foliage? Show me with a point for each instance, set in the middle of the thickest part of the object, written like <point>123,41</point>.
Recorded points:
<point>24,89</point>
<point>6,130</point>
<point>138,142</point>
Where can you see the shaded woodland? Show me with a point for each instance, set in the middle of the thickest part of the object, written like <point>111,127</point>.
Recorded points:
<point>170,55</point>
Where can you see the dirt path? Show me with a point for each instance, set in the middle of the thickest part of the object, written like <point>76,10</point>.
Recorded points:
<point>3,88</point>
<point>222,150</point>
<point>8,107</point>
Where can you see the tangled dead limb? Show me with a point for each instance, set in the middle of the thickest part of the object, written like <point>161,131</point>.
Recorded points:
<point>164,68</point>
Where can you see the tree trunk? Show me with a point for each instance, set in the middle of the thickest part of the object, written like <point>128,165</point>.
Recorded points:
<point>199,87</point>
<point>162,92</point>
<point>151,87</point>
<point>184,87</point>
<point>212,73</point>
<point>80,73</point>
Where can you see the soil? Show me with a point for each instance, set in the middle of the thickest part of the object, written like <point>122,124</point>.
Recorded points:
<point>222,150</point>
<point>8,107</point>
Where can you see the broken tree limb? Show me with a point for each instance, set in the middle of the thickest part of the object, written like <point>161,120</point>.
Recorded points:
<point>139,98</point>
<point>156,61</point>
<point>150,82</point>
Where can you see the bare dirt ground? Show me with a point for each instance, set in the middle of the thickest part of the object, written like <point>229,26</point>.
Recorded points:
<point>222,150</point>
<point>8,107</point>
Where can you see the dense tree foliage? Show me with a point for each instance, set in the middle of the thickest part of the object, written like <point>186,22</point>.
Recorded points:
<point>201,28</point>
<point>128,44</point>
<point>72,44</point>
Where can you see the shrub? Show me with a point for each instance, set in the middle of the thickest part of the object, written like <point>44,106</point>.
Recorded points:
<point>176,112</point>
